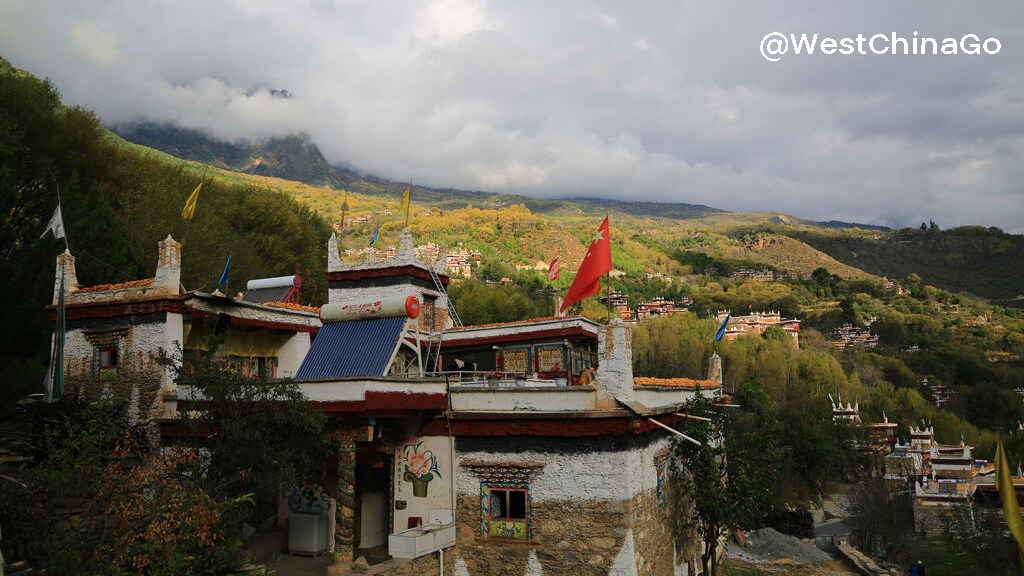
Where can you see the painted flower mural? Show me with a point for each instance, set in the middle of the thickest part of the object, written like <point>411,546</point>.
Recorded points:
<point>420,468</point>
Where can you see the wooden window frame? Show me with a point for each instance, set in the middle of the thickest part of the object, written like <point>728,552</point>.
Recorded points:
<point>113,359</point>
<point>486,491</point>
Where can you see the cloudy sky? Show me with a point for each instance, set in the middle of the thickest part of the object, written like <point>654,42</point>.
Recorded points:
<point>654,100</point>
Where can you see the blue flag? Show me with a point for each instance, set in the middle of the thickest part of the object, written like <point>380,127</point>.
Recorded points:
<point>721,329</point>
<point>224,275</point>
<point>374,239</point>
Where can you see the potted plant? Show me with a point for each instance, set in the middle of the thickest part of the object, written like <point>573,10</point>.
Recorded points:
<point>493,378</point>
<point>560,375</point>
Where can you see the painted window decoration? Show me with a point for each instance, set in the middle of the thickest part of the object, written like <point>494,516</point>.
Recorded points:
<point>517,359</point>
<point>420,468</point>
<point>661,467</point>
<point>253,366</point>
<point>108,359</point>
<point>551,358</point>
<point>661,489</point>
<point>505,510</point>
<point>105,359</point>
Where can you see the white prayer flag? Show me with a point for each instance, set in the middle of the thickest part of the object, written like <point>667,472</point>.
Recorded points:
<point>56,225</point>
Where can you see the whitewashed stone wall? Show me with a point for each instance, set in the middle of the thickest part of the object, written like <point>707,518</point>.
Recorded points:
<point>146,338</point>
<point>597,474</point>
<point>293,350</point>
<point>615,365</point>
<point>351,295</point>
<point>438,489</point>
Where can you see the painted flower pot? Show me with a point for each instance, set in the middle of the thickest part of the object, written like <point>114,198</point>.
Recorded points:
<point>419,485</point>
<point>493,381</point>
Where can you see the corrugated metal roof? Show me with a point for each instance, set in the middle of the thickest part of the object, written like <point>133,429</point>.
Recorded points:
<point>261,295</point>
<point>353,348</point>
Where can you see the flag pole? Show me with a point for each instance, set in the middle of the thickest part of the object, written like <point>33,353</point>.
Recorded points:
<point>608,294</point>
<point>55,372</point>
<point>344,209</point>
<point>608,275</point>
<point>408,206</point>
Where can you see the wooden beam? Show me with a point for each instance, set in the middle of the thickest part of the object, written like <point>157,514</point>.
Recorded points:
<point>693,417</point>
<point>676,432</point>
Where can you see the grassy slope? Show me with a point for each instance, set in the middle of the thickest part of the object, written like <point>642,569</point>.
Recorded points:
<point>985,263</point>
<point>525,236</point>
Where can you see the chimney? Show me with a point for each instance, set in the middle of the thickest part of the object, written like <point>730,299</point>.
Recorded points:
<point>333,258</point>
<point>715,368</point>
<point>168,267</point>
<point>615,362</point>
<point>405,253</point>
<point>65,269</point>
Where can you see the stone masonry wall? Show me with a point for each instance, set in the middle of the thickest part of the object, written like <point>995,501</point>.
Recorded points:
<point>652,537</point>
<point>139,379</point>
<point>597,507</point>
<point>580,538</point>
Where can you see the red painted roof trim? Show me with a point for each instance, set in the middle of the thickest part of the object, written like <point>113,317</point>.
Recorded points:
<point>407,270</point>
<point>175,304</point>
<point>504,425</point>
<point>84,310</point>
<point>386,403</point>
<point>447,341</point>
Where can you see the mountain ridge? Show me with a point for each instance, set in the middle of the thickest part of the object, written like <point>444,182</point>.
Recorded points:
<point>297,157</point>
<point>295,163</point>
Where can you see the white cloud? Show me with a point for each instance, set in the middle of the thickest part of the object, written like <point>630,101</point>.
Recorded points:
<point>670,101</point>
<point>98,46</point>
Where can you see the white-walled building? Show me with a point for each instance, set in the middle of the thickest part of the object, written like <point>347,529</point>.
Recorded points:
<point>115,332</point>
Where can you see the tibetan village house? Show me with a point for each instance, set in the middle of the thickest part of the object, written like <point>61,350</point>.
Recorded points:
<point>120,329</point>
<point>518,448</point>
<point>949,489</point>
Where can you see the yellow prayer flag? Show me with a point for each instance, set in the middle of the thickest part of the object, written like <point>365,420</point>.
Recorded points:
<point>405,198</point>
<point>1011,508</point>
<point>190,205</point>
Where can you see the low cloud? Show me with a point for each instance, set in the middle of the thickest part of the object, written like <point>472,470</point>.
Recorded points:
<point>672,102</point>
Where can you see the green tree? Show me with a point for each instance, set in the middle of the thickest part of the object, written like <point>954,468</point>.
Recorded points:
<point>882,522</point>
<point>261,433</point>
<point>673,346</point>
<point>478,303</point>
<point>728,474</point>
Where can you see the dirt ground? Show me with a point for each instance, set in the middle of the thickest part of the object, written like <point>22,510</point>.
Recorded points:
<point>829,568</point>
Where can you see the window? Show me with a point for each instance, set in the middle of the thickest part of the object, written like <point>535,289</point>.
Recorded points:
<point>106,360</point>
<point>504,498</point>
<point>251,367</point>
<point>506,511</point>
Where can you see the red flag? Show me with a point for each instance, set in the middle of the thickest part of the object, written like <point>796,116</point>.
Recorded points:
<point>597,261</point>
<point>553,270</point>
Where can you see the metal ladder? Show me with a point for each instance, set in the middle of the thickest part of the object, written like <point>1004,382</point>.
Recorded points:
<point>444,294</point>
<point>434,349</point>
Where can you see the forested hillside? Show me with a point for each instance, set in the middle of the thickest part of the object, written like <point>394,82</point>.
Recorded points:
<point>118,202</point>
<point>973,259</point>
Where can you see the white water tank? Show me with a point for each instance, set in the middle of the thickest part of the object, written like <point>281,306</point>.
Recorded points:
<point>307,533</point>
